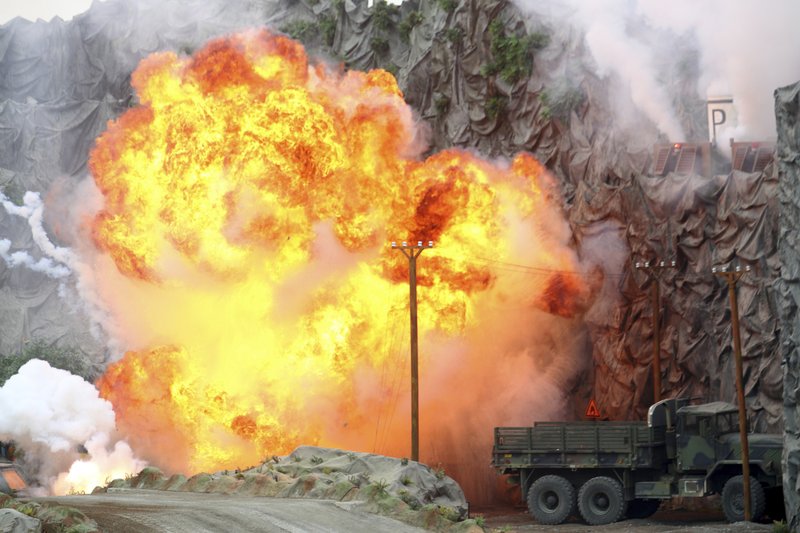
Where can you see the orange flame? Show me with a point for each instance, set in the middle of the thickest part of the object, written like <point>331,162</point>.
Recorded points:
<point>249,202</point>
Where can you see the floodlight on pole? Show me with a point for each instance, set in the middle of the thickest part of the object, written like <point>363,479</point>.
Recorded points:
<point>731,278</point>
<point>412,252</point>
<point>654,273</point>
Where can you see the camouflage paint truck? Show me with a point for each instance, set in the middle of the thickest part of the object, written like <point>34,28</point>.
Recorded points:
<point>607,471</point>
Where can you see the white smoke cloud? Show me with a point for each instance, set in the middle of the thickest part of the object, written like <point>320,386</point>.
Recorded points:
<point>746,50</point>
<point>50,413</point>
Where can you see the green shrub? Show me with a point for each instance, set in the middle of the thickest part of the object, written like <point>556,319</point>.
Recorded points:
<point>327,26</point>
<point>383,14</point>
<point>780,527</point>
<point>64,358</point>
<point>408,24</point>
<point>409,500</point>
<point>379,45</point>
<point>380,489</point>
<point>448,5</point>
<point>512,56</point>
<point>495,107</point>
<point>29,509</point>
<point>301,30</point>
<point>442,103</point>
<point>14,192</point>
<point>392,69</point>
<point>455,34</point>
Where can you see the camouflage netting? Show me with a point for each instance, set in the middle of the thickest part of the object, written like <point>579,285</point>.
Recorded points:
<point>321,473</point>
<point>60,82</point>
<point>787,112</point>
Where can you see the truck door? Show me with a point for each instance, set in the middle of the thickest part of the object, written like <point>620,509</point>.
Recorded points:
<point>695,441</point>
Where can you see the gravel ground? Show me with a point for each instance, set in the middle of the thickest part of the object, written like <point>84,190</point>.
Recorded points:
<point>511,520</point>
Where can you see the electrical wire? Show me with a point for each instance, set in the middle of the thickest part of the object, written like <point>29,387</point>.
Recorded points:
<point>540,270</point>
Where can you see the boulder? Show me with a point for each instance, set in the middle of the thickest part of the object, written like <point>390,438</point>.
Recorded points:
<point>12,521</point>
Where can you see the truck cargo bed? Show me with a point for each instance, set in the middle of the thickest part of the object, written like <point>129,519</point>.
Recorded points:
<point>578,444</point>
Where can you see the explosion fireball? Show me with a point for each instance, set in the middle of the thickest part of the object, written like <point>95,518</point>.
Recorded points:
<point>249,202</point>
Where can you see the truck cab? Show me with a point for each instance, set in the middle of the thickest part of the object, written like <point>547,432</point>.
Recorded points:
<point>699,431</point>
<point>707,439</point>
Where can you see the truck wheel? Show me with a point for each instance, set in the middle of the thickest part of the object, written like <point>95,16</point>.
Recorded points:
<point>600,501</point>
<point>551,499</point>
<point>733,499</point>
<point>640,508</point>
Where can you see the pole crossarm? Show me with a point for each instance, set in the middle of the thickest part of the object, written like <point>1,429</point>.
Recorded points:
<point>731,277</point>
<point>412,251</point>
<point>654,273</point>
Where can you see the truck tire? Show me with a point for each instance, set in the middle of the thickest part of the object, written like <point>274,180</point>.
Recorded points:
<point>641,508</point>
<point>733,499</point>
<point>601,502</point>
<point>551,499</point>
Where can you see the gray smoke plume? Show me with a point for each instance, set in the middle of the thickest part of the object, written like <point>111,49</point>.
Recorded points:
<point>745,49</point>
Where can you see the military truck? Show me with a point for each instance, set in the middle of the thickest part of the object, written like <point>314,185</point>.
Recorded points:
<point>612,470</point>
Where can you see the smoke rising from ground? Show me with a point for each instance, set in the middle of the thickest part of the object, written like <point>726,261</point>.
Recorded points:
<point>49,413</point>
<point>745,49</point>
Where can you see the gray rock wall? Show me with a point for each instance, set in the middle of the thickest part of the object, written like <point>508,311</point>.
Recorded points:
<point>787,113</point>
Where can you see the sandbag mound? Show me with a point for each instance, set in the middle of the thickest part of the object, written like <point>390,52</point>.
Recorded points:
<point>322,473</point>
<point>414,483</point>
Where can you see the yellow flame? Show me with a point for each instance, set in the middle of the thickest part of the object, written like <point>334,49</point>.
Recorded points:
<point>249,202</point>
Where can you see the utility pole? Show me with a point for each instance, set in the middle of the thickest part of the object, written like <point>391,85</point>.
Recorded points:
<point>653,272</point>
<point>731,278</point>
<point>412,252</point>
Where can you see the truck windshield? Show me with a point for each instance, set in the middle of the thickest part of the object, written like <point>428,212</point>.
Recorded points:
<point>727,423</point>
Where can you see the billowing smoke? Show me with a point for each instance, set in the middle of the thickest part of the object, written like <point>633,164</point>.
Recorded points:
<point>51,415</point>
<point>746,49</point>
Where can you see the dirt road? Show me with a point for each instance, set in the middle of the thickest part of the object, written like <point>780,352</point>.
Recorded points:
<point>145,511</point>
<point>150,511</point>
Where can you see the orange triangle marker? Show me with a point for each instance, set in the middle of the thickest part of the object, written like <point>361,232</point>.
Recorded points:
<point>591,410</point>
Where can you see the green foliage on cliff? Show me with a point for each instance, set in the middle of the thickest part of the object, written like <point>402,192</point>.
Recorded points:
<point>301,30</point>
<point>512,56</point>
<point>63,358</point>
<point>407,24</point>
<point>495,106</point>
<point>383,14</point>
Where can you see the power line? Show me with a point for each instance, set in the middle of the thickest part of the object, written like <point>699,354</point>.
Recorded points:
<point>548,271</point>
